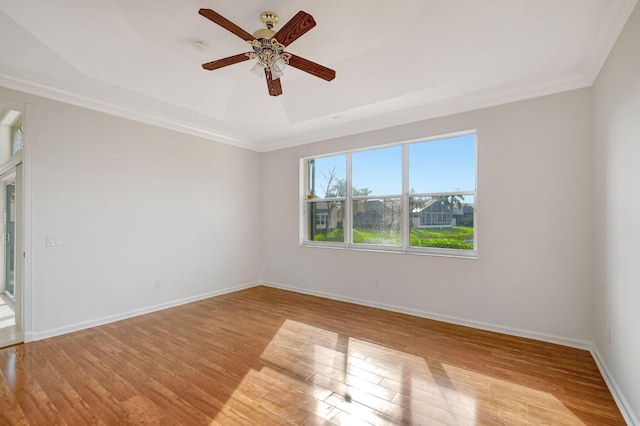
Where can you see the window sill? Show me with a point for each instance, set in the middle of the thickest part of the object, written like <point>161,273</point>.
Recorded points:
<point>468,254</point>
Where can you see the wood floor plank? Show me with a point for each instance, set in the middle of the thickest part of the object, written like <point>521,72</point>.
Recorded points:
<point>11,412</point>
<point>270,357</point>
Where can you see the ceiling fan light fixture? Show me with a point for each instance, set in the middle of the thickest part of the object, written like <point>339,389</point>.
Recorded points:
<point>258,69</point>
<point>277,67</point>
<point>269,55</point>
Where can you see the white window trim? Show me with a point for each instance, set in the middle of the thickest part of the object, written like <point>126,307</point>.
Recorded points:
<point>404,247</point>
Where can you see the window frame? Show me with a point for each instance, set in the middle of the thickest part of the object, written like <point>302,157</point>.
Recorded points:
<point>404,196</point>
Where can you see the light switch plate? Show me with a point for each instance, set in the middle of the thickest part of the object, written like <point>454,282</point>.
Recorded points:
<point>53,240</point>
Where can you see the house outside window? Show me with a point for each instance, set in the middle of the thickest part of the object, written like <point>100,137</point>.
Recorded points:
<point>321,220</point>
<point>433,213</point>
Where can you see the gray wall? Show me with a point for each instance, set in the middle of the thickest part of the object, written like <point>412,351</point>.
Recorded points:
<point>617,175</point>
<point>133,203</point>
<point>534,224</point>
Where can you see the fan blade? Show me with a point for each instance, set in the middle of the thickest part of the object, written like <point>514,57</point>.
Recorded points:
<point>214,65</point>
<point>274,86</point>
<point>226,24</point>
<point>312,68</point>
<point>295,28</point>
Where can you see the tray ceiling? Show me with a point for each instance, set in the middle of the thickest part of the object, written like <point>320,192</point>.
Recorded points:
<point>396,62</point>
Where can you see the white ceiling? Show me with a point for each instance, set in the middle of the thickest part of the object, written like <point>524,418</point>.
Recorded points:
<point>395,61</point>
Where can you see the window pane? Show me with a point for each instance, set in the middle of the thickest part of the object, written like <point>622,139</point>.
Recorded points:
<point>327,176</point>
<point>443,222</point>
<point>377,171</point>
<point>325,219</point>
<point>11,134</point>
<point>377,221</point>
<point>443,165</point>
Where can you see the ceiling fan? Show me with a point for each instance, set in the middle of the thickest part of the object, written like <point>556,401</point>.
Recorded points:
<point>268,48</point>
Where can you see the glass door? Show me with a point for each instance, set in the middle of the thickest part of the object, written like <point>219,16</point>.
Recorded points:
<point>9,238</point>
<point>12,139</point>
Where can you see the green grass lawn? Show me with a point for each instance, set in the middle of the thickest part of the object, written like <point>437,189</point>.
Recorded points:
<point>335,235</point>
<point>455,237</point>
<point>373,236</point>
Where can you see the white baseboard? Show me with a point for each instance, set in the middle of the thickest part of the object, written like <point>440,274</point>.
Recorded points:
<point>33,336</point>
<point>616,392</point>
<point>573,343</point>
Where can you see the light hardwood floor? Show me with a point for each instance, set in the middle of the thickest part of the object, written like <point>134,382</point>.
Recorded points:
<point>270,357</point>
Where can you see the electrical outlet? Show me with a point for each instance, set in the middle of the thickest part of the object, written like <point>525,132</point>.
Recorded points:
<point>157,284</point>
<point>609,336</point>
<point>377,283</point>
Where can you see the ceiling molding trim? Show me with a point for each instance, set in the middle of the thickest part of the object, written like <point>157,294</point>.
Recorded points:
<point>604,36</point>
<point>48,91</point>
<point>472,102</point>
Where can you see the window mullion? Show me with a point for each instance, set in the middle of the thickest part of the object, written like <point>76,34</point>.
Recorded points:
<point>348,219</point>
<point>305,226</point>
<point>404,201</point>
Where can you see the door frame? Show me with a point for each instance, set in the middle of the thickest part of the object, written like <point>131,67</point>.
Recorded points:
<point>22,163</point>
<point>8,176</point>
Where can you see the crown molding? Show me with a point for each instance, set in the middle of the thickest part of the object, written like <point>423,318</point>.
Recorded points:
<point>392,117</point>
<point>475,101</point>
<point>605,33</point>
<point>49,91</point>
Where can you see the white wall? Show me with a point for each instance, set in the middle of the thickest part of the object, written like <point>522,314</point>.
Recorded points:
<point>617,169</point>
<point>535,228</point>
<point>133,203</point>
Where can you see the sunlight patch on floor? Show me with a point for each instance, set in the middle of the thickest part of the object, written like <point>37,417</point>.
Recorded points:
<point>515,402</point>
<point>344,380</point>
<point>9,322</point>
<point>8,329</point>
<point>347,380</point>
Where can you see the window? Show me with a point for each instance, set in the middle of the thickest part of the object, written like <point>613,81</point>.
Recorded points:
<point>321,220</point>
<point>414,197</point>
<point>376,196</point>
<point>326,191</point>
<point>11,134</point>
